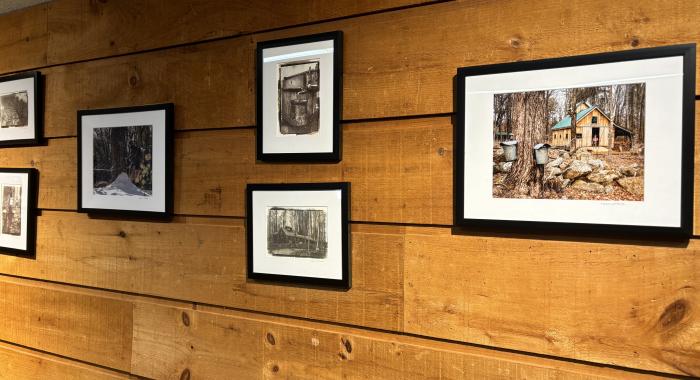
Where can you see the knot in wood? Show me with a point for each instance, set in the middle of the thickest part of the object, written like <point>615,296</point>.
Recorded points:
<point>134,80</point>
<point>441,151</point>
<point>122,234</point>
<point>634,42</point>
<point>185,319</point>
<point>275,368</point>
<point>270,339</point>
<point>673,313</point>
<point>515,42</point>
<point>185,375</point>
<point>346,343</point>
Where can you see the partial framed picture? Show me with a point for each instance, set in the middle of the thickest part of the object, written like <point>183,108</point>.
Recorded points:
<point>125,161</point>
<point>21,109</point>
<point>298,233</point>
<point>600,143</point>
<point>299,89</point>
<point>18,193</point>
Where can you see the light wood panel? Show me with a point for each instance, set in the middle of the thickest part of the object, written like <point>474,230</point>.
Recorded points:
<point>400,171</point>
<point>210,84</point>
<point>696,181</point>
<point>56,162</point>
<point>24,39</point>
<point>608,302</point>
<point>204,260</point>
<point>89,29</point>
<point>81,326</point>
<point>22,364</point>
<point>216,344</point>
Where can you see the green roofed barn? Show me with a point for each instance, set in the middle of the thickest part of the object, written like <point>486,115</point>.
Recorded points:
<point>593,128</point>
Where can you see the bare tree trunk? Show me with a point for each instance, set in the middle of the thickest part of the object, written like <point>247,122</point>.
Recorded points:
<point>529,128</point>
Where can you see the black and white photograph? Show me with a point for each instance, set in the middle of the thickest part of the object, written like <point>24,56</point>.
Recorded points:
<point>298,103</point>
<point>21,109</point>
<point>298,233</point>
<point>18,219</point>
<point>299,84</point>
<point>125,160</point>
<point>587,143</point>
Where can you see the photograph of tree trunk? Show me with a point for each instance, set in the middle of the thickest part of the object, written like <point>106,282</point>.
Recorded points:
<point>298,101</point>
<point>298,232</point>
<point>575,143</point>
<point>122,161</point>
<point>12,210</point>
<point>14,110</point>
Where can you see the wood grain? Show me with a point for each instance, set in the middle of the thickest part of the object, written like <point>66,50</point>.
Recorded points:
<point>217,343</point>
<point>696,180</point>
<point>24,39</point>
<point>203,260</point>
<point>211,85</point>
<point>22,364</point>
<point>400,171</point>
<point>613,302</point>
<point>86,327</point>
<point>90,29</point>
<point>56,162</point>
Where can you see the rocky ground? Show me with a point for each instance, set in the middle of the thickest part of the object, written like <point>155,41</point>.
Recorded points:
<point>589,173</point>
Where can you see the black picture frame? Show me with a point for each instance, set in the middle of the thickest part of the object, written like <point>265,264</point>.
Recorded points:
<point>33,192</point>
<point>686,51</point>
<point>169,109</point>
<point>343,283</point>
<point>336,154</point>
<point>38,99</point>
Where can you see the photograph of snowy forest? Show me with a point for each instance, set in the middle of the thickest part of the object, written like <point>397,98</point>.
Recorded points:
<point>298,102</point>
<point>14,110</point>
<point>575,143</point>
<point>122,161</point>
<point>298,232</point>
<point>12,210</point>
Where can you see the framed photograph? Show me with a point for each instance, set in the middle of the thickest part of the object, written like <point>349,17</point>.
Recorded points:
<point>298,233</point>
<point>299,89</point>
<point>125,161</point>
<point>600,143</point>
<point>21,109</point>
<point>18,193</point>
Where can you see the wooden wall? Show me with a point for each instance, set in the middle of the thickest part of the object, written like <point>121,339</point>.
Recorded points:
<point>113,298</point>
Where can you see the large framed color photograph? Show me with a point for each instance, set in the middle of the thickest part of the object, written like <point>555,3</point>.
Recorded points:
<point>125,161</point>
<point>299,89</point>
<point>597,143</point>
<point>298,233</point>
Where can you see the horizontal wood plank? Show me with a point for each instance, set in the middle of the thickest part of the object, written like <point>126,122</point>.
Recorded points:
<point>204,260</point>
<point>22,364</point>
<point>91,29</point>
<point>613,302</point>
<point>56,162</point>
<point>81,326</point>
<point>216,343</point>
<point>400,171</point>
<point>24,39</point>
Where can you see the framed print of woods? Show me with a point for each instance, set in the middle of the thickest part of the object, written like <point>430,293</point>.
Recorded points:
<point>299,89</point>
<point>18,193</point>
<point>594,143</point>
<point>21,109</point>
<point>125,161</point>
<point>298,233</point>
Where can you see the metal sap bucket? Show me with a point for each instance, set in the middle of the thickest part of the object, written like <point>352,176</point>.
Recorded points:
<point>541,153</point>
<point>510,150</point>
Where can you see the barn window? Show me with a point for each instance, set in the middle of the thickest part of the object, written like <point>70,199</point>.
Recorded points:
<point>594,119</point>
